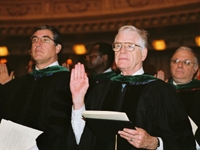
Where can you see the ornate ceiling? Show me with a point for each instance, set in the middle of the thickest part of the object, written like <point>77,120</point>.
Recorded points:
<point>88,21</point>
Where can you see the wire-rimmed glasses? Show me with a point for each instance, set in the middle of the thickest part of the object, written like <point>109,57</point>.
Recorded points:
<point>184,62</point>
<point>44,39</point>
<point>128,46</point>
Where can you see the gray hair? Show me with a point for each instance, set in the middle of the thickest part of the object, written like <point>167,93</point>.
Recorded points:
<point>190,50</point>
<point>142,33</point>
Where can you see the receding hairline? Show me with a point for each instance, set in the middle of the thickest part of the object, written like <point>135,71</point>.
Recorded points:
<point>142,33</point>
<point>189,50</point>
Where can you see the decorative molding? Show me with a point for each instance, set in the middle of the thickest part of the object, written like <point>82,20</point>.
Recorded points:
<point>104,25</point>
<point>81,6</point>
<point>17,9</point>
<point>134,3</point>
<point>83,17</point>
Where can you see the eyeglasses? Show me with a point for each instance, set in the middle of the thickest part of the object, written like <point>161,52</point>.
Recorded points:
<point>44,39</point>
<point>185,62</point>
<point>128,46</point>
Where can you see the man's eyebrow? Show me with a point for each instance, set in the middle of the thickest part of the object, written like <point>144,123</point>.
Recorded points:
<point>42,36</point>
<point>46,36</point>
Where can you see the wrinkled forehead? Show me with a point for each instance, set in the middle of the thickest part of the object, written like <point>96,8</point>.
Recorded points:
<point>183,55</point>
<point>127,36</point>
<point>44,32</point>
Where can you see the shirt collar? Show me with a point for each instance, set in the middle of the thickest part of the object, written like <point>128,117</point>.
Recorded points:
<point>108,70</point>
<point>139,72</point>
<point>53,64</point>
<point>174,83</point>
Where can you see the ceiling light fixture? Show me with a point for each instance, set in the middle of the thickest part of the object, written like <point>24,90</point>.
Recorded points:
<point>159,45</point>
<point>3,60</point>
<point>197,40</point>
<point>69,61</point>
<point>3,51</point>
<point>79,49</point>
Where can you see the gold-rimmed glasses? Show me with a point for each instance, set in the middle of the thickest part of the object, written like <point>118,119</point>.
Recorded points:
<point>128,46</point>
<point>44,39</point>
<point>184,62</point>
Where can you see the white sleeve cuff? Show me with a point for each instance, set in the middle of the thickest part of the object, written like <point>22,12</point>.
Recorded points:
<point>161,144</point>
<point>78,123</point>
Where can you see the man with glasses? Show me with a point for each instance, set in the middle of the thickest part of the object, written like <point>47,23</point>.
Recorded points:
<point>41,99</point>
<point>183,66</point>
<point>151,104</point>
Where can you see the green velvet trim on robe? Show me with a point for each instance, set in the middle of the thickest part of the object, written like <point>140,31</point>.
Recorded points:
<point>104,76</point>
<point>193,85</point>
<point>137,79</point>
<point>47,71</point>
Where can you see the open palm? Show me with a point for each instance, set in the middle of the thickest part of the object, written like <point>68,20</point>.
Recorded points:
<point>78,84</point>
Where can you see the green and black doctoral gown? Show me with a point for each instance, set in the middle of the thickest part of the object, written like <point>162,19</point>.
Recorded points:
<point>99,78</point>
<point>40,100</point>
<point>149,103</point>
<point>189,94</point>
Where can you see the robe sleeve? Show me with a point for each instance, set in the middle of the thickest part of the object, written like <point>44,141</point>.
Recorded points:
<point>163,115</point>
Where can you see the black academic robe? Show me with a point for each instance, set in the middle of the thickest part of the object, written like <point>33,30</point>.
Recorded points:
<point>189,94</point>
<point>150,104</point>
<point>41,102</point>
<point>95,79</point>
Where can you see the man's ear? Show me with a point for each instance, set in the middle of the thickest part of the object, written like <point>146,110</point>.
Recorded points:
<point>105,57</point>
<point>58,48</point>
<point>30,52</point>
<point>144,53</point>
<point>196,68</point>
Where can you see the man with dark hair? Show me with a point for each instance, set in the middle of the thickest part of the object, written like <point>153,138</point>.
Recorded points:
<point>99,61</point>
<point>41,99</point>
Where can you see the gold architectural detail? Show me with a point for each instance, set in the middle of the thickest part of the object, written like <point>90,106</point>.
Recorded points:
<point>134,3</point>
<point>92,25</point>
<point>20,18</point>
<point>147,18</point>
<point>17,9</point>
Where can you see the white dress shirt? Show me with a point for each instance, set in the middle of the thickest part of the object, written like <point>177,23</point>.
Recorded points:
<point>53,64</point>
<point>108,70</point>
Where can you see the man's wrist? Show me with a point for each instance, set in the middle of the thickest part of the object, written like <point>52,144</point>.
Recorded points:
<point>158,145</point>
<point>155,143</point>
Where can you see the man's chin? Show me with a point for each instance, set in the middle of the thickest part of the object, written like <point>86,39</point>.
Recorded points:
<point>38,57</point>
<point>178,74</point>
<point>179,77</point>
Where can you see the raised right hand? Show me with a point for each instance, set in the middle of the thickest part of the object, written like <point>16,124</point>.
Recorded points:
<point>160,75</point>
<point>4,75</point>
<point>78,85</point>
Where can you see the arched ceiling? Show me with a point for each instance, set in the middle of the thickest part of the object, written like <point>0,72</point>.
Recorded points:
<point>87,21</point>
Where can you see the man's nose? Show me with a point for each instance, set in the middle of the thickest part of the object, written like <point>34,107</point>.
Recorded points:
<point>180,64</point>
<point>123,49</point>
<point>39,41</point>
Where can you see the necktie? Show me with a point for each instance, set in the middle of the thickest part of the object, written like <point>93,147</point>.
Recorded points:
<point>120,99</point>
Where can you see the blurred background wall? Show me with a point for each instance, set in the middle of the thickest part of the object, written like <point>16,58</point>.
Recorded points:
<point>84,22</point>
